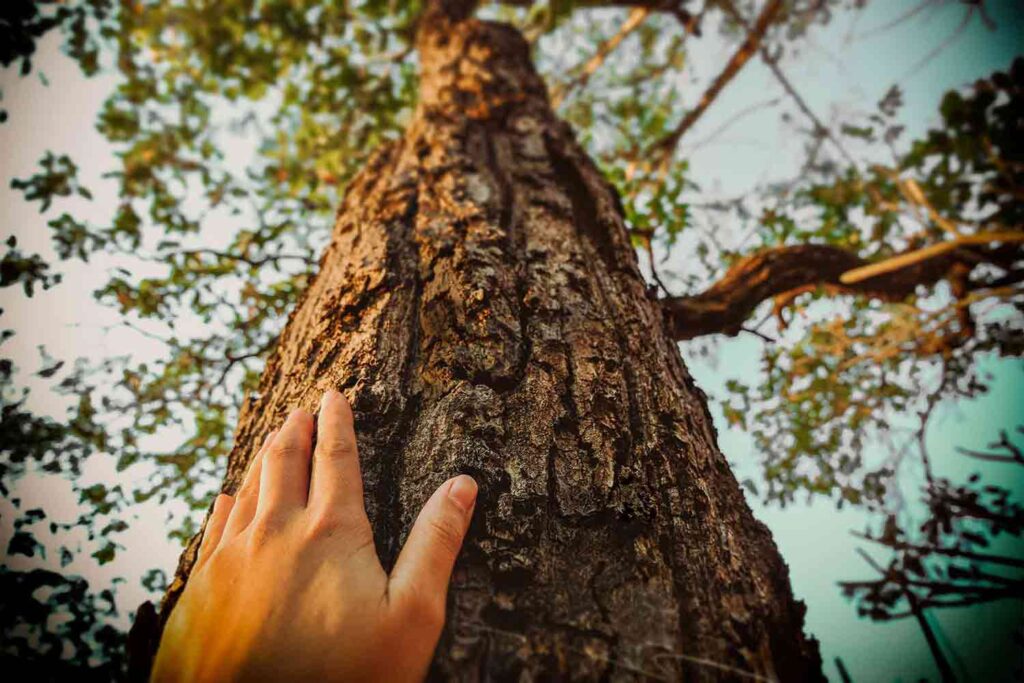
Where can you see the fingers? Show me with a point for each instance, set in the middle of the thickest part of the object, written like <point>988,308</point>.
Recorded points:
<point>425,564</point>
<point>284,481</point>
<point>244,507</point>
<point>215,527</point>
<point>336,488</point>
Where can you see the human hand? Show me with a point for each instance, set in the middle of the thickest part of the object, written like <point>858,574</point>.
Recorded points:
<point>287,584</point>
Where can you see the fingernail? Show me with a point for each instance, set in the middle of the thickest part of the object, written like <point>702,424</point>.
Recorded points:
<point>462,492</point>
<point>295,414</point>
<point>268,437</point>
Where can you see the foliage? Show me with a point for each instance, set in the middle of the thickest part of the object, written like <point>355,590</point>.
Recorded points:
<point>84,24</point>
<point>46,613</point>
<point>834,388</point>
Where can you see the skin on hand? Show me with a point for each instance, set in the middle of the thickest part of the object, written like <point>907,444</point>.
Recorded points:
<point>287,585</point>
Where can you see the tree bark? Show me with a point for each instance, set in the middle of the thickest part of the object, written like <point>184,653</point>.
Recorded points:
<point>481,306</point>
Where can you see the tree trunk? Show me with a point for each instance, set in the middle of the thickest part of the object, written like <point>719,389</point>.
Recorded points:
<point>481,306</point>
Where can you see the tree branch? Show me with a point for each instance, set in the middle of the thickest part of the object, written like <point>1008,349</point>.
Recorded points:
<point>633,21</point>
<point>773,65</point>
<point>1014,454</point>
<point>746,50</point>
<point>674,8</point>
<point>793,270</point>
<point>956,553</point>
<point>242,258</point>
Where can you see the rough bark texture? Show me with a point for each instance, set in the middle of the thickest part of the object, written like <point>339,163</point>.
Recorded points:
<point>481,306</point>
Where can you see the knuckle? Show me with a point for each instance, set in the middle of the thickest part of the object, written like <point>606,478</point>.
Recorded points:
<point>249,491</point>
<point>328,523</point>
<point>222,506</point>
<point>323,525</point>
<point>446,534</point>
<point>287,451</point>
<point>336,448</point>
<point>261,532</point>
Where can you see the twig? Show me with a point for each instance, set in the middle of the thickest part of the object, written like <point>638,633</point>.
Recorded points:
<point>952,38</point>
<point>906,16</point>
<point>255,263</point>
<point>938,550</point>
<point>1016,455</point>
<point>941,662</point>
<point>758,333</point>
<point>787,85</point>
<point>871,561</point>
<point>773,65</point>
<point>636,17</point>
<point>843,673</point>
<point>666,146</point>
<point>735,118</point>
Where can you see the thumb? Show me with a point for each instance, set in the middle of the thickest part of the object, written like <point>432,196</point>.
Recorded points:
<point>425,564</point>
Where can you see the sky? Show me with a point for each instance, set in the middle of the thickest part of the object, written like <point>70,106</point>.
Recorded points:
<point>847,66</point>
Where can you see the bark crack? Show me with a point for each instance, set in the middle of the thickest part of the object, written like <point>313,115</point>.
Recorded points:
<point>387,493</point>
<point>497,160</point>
<point>585,214</point>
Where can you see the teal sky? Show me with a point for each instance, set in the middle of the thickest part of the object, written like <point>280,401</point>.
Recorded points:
<point>843,73</point>
<point>846,67</point>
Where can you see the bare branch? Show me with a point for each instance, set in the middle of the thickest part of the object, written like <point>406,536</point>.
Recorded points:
<point>772,63</point>
<point>947,552</point>
<point>664,147</point>
<point>735,118</point>
<point>909,14</point>
<point>1014,453</point>
<point>633,21</point>
<point>674,8</point>
<point>957,33</point>
<point>254,262</point>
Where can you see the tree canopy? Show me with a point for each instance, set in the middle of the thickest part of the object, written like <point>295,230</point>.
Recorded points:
<point>879,278</point>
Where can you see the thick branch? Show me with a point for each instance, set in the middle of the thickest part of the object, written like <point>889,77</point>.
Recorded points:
<point>726,305</point>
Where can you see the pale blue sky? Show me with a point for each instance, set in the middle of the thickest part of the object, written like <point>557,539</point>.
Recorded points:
<point>838,72</point>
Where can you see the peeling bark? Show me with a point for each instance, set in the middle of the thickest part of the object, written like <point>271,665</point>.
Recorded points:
<point>481,306</point>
